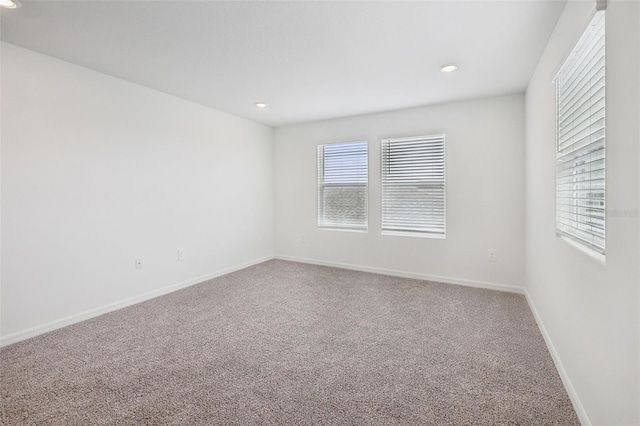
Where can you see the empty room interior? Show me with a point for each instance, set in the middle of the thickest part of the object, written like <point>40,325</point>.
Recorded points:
<point>320,212</point>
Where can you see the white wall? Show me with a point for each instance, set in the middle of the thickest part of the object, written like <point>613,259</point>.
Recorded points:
<point>485,192</point>
<point>97,171</point>
<point>589,309</point>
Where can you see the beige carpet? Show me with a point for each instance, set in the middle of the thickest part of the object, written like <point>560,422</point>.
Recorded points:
<point>286,343</point>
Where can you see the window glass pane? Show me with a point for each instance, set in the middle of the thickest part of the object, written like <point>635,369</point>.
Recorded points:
<point>342,185</point>
<point>413,186</point>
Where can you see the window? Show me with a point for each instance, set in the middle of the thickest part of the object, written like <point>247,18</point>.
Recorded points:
<point>580,140</point>
<point>413,186</point>
<point>342,185</point>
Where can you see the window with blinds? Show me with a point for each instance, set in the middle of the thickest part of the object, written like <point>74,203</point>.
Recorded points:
<point>342,185</point>
<point>413,186</point>
<point>580,126</point>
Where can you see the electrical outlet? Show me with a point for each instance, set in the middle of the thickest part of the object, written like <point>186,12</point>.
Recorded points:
<point>181,254</point>
<point>303,238</point>
<point>138,263</point>
<point>492,255</point>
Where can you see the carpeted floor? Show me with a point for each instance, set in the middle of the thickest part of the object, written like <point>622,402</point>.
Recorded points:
<point>287,343</point>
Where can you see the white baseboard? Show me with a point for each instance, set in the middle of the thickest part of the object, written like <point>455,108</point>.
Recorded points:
<point>72,319</point>
<point>575,400</point>
<point>403,274</point>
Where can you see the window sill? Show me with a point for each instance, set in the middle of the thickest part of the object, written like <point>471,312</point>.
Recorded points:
<point>415,234</point>
<point>332,228</point>
<point>586,250</point>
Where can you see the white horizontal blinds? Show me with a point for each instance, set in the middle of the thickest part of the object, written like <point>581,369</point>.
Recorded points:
<point>342,185</point>
<point>580,172</point>
<point>413,185</point>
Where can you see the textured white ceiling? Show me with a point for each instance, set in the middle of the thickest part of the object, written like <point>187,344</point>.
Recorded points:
<point>307,60</point>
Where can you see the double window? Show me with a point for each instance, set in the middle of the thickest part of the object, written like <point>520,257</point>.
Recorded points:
<point>413,186</point>
<point>580,126</point>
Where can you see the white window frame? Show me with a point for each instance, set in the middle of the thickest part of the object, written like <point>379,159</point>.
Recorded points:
<point>581,220</point>
<point>337,226</point>
<point>415,231</point>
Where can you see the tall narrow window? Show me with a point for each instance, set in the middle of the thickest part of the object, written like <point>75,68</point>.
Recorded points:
<point>413,186</point>
<point>342,185</point>
<point>580,138</point>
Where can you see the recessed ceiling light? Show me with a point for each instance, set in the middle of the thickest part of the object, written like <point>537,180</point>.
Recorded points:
<point>9,4</point>
<point>448,68</point>
<point>261,104</point>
